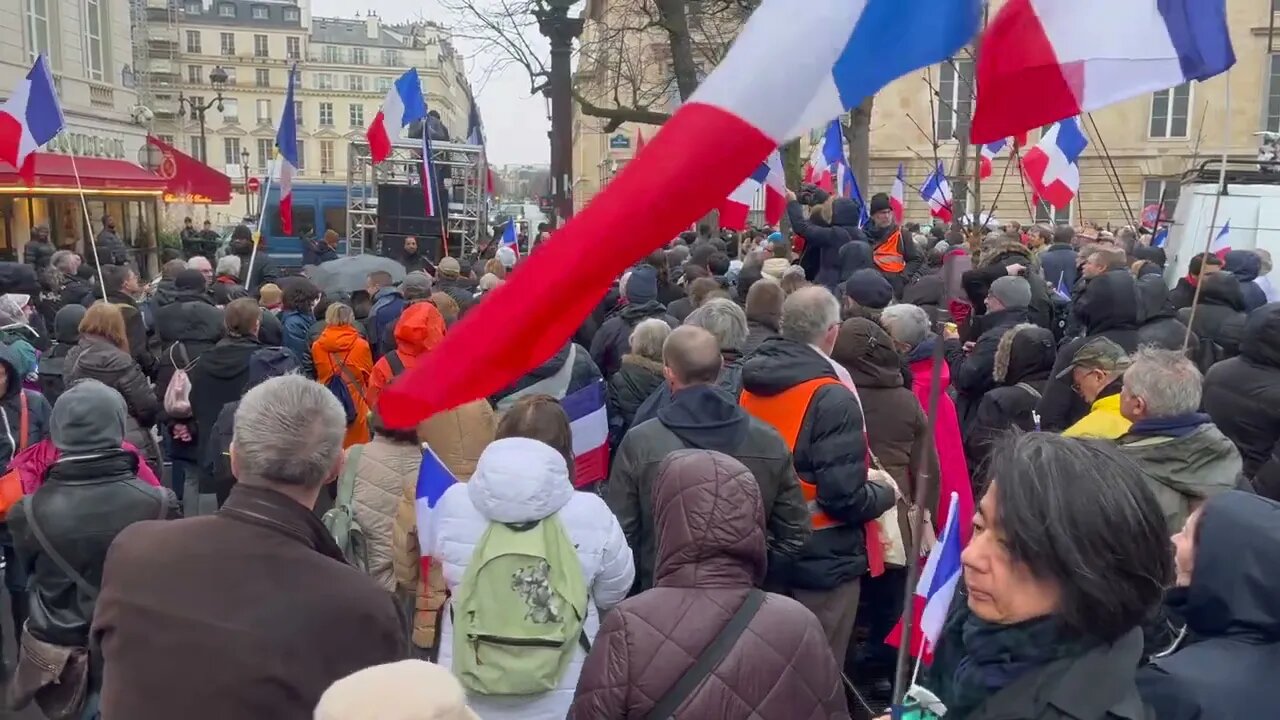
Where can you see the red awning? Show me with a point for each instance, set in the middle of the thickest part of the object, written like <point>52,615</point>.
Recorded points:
<point>54,172</point>
<point>187,179</point>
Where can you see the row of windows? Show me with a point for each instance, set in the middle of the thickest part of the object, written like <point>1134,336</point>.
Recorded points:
<point>265,147</point>
<point>227,45</point>
<point>265,115</point>
<point>262,77</point>
<point>358,56</point>
<point>39,24</point>
<point>256,12</point>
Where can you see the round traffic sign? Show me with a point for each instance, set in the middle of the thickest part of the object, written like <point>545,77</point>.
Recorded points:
<point>254,184</point>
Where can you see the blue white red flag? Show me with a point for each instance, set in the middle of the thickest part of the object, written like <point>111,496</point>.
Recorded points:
<point>403,105</point>
<point>287,150</point>
<point>589,425</point>
<point>855,193</point>
<point>1052,167</point>
<point>1045,60</point>
<point>1222,242</point>
<point>937,192</point>
<point>898,196</point>
<point>434,479</point>
<point>30,118</point>
<point>990,152</point>
<point>427,176</point>
<point>713,141</point>
<point>736,208</point>
<point>475,136</point>
<point>509,237</point>
<point>1063,290</point>
<point>935,590</point>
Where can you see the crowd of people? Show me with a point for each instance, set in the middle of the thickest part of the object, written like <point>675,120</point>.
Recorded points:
<point>212,520</point>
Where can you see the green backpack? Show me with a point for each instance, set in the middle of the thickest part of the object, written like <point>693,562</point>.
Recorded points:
<point>340,521</point>
<point>518,613</point>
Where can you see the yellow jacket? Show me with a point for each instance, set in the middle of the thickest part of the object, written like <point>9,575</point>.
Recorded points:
<point>1104,421</point>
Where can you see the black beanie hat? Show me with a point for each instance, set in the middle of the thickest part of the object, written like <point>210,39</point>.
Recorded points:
<point>879,203</point>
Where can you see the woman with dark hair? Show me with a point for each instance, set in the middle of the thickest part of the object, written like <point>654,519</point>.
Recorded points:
<point>297,317</point>
<point>1227,589</point>
<point>1069,556</point>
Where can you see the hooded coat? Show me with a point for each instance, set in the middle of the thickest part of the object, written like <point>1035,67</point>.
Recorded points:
<point>1186,460</point>
<point>1232,611</point>
<point>975,375</point>
<point>704,418</point>
<point>1242,395</point>
<point>1159,324</point>
<point>614,338</point>
<point>627,391</point>
<point>187,328</point>
<point>1110,307</point>
<point>1023,360</point>
<point>95,357</point>
<point>38,411</point>
<point>522,480</point>
<point>823,241</point>
<point>1220,317</point>
<point>419,331</point>
<point>53,365</point>
<point>780,668</point>
<point>1246,265</point>
<point>339,347</point>
<point>830,453</point>
<point>296,327</point>
<point>219,378</point>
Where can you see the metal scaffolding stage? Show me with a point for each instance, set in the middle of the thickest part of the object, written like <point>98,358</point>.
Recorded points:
<point>465,186</point>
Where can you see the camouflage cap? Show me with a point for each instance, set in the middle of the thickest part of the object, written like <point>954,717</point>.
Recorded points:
<point>1098,354</point>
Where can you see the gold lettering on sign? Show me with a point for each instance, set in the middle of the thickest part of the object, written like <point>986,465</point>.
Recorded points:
<point>85,145</point>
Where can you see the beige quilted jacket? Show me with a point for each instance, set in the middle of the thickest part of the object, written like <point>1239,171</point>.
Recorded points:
<point>383,470</point>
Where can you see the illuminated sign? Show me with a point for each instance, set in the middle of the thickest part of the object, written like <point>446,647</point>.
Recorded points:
<point>190,199</point>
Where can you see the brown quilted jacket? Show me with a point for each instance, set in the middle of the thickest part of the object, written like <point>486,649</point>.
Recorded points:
<point>711,552</point>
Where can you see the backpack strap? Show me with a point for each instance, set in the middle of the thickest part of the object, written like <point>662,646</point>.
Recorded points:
<point>347,481</point>
<point>75,577</point>
<point>710,657</point>
<point>342,368</point>
<point>395,363</point>
<point>24,421</point>
<point>182,350</point>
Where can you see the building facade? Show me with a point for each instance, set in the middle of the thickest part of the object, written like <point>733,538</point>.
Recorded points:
<point>89,48</point>
<point>345,68</point>
<point>1138,149</point>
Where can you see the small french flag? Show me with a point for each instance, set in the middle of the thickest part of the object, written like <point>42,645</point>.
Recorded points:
<point>1222,243</point>
<point>402,106</point>
<point>509,238</point>
<point>31,117</point>
<point>898,196</point>
<point>935,590</point>
<point>589,425</point>
<point>427,174</point>
<point>990,152</point>
<point>433,480</point>
<point>937,192</point>
<point>736,209</point>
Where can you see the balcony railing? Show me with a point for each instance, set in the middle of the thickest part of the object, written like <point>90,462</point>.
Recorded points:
<point>102,96</point>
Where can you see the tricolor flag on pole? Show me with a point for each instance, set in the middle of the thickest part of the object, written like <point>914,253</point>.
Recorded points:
<point>509,237</point>
<point>898,196</point>
<point>934,591</point>
<point>736,208</point>
<point>937,192</point>
<point>990,152</point>
<point>589,425</point>
<point>402,106</point>
<point>434,479</point>
<point>712,142</point>
<point>1052,167</point>
<point>1222,242</point>
<point>287,149</point>
<point>475,136</point>
<point>427,174</point>
<point>30,118</point>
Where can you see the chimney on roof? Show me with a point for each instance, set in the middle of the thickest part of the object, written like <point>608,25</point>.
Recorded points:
<point>371,25</point>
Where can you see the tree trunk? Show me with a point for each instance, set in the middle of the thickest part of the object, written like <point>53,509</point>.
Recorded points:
<point>675,20</point>
<point>792,170</point>
<point>858,135</point>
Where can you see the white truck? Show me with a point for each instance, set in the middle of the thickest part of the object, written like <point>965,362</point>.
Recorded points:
<point>1249,209</point>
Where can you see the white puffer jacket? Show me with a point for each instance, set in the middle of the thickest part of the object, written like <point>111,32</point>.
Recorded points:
<point>382,470</point>
<point>522,480</point>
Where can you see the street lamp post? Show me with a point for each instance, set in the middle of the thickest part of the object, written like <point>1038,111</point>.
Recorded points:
<point>555,24</point>
<point>244,178</point>
<point>217,78</point>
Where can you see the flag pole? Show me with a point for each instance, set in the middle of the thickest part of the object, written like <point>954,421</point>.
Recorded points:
<point>257,235</point>
<point>1217,203</point>
<point>84,205</point>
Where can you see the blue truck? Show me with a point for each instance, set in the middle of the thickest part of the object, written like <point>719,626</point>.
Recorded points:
<point>316,206</point>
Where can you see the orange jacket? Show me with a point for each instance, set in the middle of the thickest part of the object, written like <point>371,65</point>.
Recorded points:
<point>342,345</point>
<point>419,330</point>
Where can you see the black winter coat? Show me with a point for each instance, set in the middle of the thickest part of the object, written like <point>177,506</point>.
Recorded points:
<point>83,505</point>
<point>219,378</point>
<point>628,389</point>
<point>265,269</point>
<point>39,410</point>
<point>757,333</point>
<point>37,254</point>
<point>76,291</point>
<point>1182,294</point>
<point>1242,395</point>
<point>1220,316</point>
<point>1232,611</point>
<point>1110,307</point>
<point>614,338</point>
<point>830,452</point>
<point>460,291</point>
<point>974,376</point>
<point>1020,371</point>
<point>1160,325</point>
<point>928,291</point>
<point>222,293</point>
<point>990,265</point>
<point>822,242</point>
<point>135,328</point>
<point>187,329</point>
<point>95,357</point>
<point>1245,265</point>
<point>680,308</point>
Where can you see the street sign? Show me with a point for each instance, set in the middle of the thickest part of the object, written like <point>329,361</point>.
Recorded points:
<point>254,184</point>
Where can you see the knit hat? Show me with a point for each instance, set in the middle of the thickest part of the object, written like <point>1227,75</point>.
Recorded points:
<point>416,286</point>
<point>191,280</point>
<point>506,256</point>
<point>88,417</point>
<point>869,289</point>
<point>642,285</point>
<point>404,690</point>
<point>879,203</point>
<point>1099,353</point>
<point>775,267</point>
<point>1012,291</point>
<point>449,267</point>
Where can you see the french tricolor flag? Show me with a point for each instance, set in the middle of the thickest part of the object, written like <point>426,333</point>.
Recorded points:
<point>898,196</point>
<point>1052,167</point>
<point>31,117</point>
<point>989,153</point>
<point>589,425</point>
<point>937,192</point>
<point>935,590</point>
<point>718,137</point>
<point>434,479</point>
<point>736,208</point>
<point>509,237</point>
<point>402,106</point>
<point>1045,60</point>
<point>1222,242</point>
<point>287,149</point>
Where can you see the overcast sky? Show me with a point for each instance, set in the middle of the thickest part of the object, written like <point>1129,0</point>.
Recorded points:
<point>515,123</point>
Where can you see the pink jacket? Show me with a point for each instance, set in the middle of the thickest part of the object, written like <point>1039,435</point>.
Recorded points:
<point>33,464</point>
<point>954,467</point>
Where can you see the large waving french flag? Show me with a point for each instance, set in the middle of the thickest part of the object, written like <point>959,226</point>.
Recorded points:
<point>718,137</point>
<point>31,117</point>
<point>589,425</point>
<point>1045,60</point>
<point>403,105</point>
<point>769,177</point>
<point>287,149</point>
<point>1053,165</point>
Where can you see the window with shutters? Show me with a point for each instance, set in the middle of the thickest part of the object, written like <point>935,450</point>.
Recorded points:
<point>1171,112</point>
<point>955,99</point>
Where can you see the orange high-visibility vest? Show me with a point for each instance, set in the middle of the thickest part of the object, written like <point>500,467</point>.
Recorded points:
<point>785,412</point>
<point>888,254</point>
